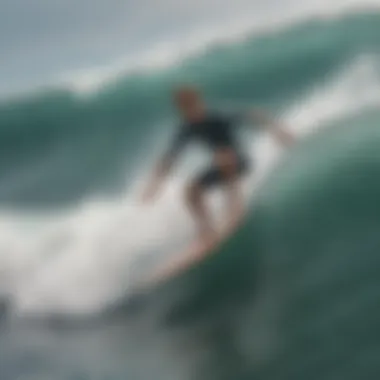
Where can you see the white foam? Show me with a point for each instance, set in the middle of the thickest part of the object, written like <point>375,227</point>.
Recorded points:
<point>357,87</point>
<point>80,260</point>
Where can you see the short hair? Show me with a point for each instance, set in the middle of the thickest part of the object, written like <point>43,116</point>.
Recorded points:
<point>187,90</point>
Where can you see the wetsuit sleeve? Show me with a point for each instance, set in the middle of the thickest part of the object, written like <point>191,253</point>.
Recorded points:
<point>178,143</point>
<point>245,118</point>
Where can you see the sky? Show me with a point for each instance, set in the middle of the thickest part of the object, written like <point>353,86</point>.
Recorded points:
<point>42,40</point>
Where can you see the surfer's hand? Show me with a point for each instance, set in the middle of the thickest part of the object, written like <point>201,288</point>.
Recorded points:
<point>284,137</point>
<point>149,194</point>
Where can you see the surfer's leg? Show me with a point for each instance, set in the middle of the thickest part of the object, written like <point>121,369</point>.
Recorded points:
<point>228,176</point>
<point>195,194</point>
<point>234,203</point>
<point>234,194</point>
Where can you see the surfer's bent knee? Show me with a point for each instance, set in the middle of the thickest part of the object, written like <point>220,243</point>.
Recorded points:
<point>193,192</point>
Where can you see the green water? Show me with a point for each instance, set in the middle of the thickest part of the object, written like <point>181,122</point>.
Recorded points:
<point>293,295</point>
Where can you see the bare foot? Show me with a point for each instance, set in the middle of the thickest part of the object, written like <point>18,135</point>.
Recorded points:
<point>233,223</point>
<point>209,238</point>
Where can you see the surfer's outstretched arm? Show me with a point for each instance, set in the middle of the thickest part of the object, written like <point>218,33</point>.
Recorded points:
<point>159,174</point>
<point>277,129</point>
<point>164,165</point>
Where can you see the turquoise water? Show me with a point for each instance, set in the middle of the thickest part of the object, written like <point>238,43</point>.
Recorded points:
<point>293,295</point>
<point>81,145</point>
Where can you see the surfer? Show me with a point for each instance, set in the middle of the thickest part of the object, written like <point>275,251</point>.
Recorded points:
<point>229,164</point>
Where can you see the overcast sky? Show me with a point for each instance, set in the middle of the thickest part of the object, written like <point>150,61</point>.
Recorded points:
<point>40,39</point>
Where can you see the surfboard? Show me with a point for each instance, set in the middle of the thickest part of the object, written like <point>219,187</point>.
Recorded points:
<point>192,255</point>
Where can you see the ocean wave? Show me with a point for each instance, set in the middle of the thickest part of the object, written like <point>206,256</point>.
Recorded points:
<point>56,147</point>
<point>173,52</point>
<point>271,67</point>
<point>81,260</point>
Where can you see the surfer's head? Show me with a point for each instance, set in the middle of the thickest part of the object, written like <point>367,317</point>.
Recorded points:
<point>189,102</point>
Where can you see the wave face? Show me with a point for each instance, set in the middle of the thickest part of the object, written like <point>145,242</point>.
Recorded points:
<point>58,146</point>
<point>293,293</point>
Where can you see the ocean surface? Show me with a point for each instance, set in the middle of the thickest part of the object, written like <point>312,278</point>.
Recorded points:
<point>294,295</point>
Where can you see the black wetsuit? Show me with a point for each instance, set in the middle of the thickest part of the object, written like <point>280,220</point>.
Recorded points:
<point>216,131</point>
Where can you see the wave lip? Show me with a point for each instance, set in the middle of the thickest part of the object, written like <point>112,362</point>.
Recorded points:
<point>173,52</point>
<point>170,52</point>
